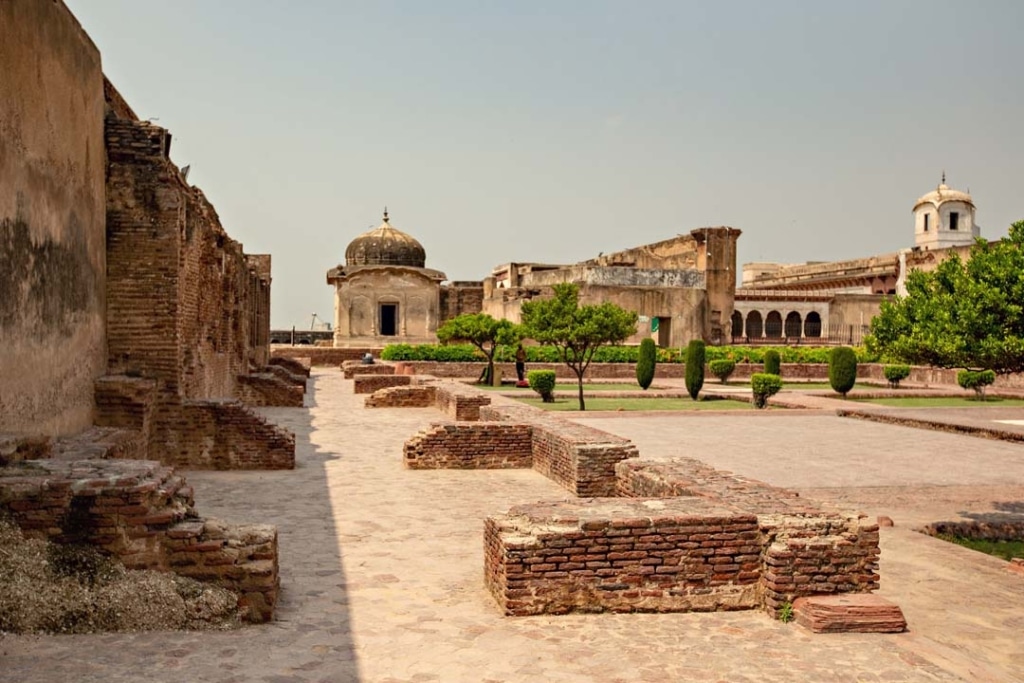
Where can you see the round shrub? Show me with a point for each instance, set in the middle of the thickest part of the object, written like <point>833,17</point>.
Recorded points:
<point>764,385</point>
<point>842,369</point>
<point>543,382</point>
<point>976,380</point>
<point>722,368</point>
<point>695,367</point>
<point>646,362</point>
<point>894,374</point>
<point>772,362</point>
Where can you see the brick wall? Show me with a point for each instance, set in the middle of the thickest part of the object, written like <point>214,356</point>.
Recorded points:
<point>269,389</point>
<point>413,396</point>
<point>142,514</point>
<point>351,368</point>
<point>581,459</point>
<point>367,384</point>
<point>297,366</point>
<point>467,446</point>
<point>322,355</point>
<point>460,402</point>
<point>622,555</point>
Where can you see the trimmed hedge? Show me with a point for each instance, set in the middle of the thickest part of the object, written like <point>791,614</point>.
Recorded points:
<point>695,367</point>
<point>976,380</point>
<point>460,353</point>
<point>772,363</point>
<point>894,374</point>
<point>543,382</point>
<point>722,368</point>
<point>646,363</point>
<point>764,385</point>
<point>842,369</point>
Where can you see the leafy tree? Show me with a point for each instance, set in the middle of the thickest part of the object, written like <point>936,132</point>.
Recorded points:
<point>842,369</point>
<point>970,379</point>
<point>694,367</point>
<point>483,332</point>
<point>576,331</point>
<point>895,374</point>
<point>543,382</point>
<point>646,363</point>
<point>772,362</point>
<point>966,314</point>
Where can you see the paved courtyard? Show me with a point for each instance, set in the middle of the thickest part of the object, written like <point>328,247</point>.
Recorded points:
<point>382,567</point>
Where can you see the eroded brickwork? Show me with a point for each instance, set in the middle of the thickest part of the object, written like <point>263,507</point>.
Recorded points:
<point>351,368</point>
<point>413,396</point>
<point>367,384</point>
<point>470,446</point>
<point>142,514</point>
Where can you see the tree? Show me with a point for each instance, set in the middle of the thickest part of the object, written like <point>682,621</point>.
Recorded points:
<point>646,363</point>
<point>694,367</point>
<point>842,369</point>
<point>967,314</point>
<point>576,331</point>
<point>483,332</point>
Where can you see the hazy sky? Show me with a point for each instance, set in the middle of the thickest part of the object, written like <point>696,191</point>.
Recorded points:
<point>551,131</point>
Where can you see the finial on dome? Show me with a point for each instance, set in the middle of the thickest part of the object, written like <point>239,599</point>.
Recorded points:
<point>943,176</point>
<point>386,213</point>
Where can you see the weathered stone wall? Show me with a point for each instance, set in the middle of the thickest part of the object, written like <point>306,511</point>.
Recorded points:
<point>470,446</point>
<point>461,298</point>
<point>52,243</point>
<point>142,514</point>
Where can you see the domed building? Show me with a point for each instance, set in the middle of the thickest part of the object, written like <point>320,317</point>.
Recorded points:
<point>385,294</point>
<point>944,218</point>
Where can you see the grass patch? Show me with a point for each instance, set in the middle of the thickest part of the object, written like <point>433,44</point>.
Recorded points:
<point>587,387</point>
<point>1007,550</point>
<point>944,402</point>
<point>667,404</point>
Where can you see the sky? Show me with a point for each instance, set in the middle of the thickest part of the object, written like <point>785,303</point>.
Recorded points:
<point>554,130</point>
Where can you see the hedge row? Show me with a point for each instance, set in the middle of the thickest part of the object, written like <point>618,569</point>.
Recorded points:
<point>456,353</point>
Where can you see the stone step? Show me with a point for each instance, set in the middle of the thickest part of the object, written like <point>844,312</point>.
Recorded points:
<point>849,613</point>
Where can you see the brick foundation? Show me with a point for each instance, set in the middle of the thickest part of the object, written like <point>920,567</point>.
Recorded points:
<point>460,401</point>
<point>412,396</point>
<point>141,513</point>
<point>297,366</point>
<point>223,435</point>
<point>474,445</point>
<point>351,368</point>
<point>270,389</point>
<point>367,384</point>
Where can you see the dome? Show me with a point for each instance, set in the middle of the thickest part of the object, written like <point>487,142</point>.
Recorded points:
<point>385,246</point>
<point>943,194</point>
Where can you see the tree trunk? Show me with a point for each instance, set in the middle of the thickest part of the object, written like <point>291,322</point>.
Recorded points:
<point>579,377</point>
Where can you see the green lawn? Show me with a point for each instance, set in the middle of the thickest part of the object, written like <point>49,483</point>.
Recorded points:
<point>945,402</point>
<point>1004,549</point>
<point>639,404</point>
<point>587,386</point>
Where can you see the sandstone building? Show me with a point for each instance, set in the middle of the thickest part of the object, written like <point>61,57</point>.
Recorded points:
<point>682,288</point>
<point>835,301</point>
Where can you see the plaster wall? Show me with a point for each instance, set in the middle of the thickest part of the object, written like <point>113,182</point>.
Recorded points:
<point>52,241</point>
<point>358,298</point>
<point>939,235</point>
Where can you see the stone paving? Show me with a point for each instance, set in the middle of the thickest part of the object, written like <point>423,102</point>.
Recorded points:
<point>382,567</point>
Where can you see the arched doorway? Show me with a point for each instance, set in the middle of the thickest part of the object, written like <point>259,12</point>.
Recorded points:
<point>737,324</point>
<point>773,325</point>
<point>793,324</point>
<point>754,328</point>
<point>812,325</point>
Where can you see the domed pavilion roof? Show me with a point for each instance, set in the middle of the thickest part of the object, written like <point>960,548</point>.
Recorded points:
<point>385,246</point>
<point>942,194</point>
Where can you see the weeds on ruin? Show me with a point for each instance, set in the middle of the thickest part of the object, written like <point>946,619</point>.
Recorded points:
<point>786,612</point>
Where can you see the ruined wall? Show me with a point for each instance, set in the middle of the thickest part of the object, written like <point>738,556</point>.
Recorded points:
<point>470,446</point>
<point>461,298</point>
<point>677,253</point>
<point>52,245</point>
<point>716,256</point>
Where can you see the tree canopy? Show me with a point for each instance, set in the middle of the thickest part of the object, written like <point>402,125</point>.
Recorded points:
<point>576,331</point>
<point>967,314</point>
<point>482,331</point>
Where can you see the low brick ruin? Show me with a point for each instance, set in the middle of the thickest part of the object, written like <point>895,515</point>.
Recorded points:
<point>471,445</point>
<point>456,400</point>
<point>367,384</point>
<point>351,368</point>
<point>142,514</point>
<point>701,539</point>
<point>410,396</point>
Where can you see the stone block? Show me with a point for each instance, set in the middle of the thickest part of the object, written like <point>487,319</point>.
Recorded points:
<point>850,613</point>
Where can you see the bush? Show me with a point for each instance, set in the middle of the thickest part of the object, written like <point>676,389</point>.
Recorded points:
<point>772,363</point>
<point>694,367</point>
<point>894,374</point>
<point>842,369</point>
<point>976,380</point>
<point>764,385</point>
<point>722,368</point>
<point>645,363</point>
<point>543,382</point>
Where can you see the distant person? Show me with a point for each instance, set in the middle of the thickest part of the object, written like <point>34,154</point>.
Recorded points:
<point>367,358</point>
<point>521,364</point>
